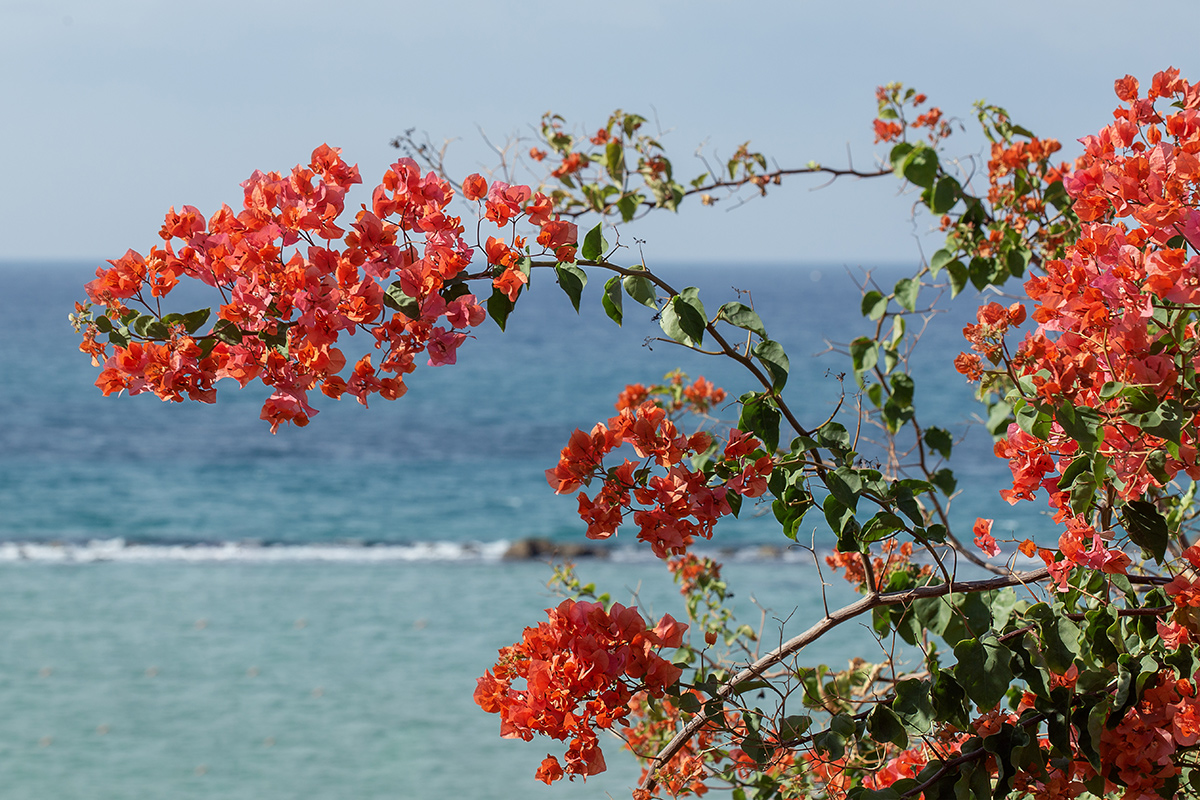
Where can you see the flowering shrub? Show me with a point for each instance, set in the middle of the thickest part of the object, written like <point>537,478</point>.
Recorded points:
<point>1077,675</point>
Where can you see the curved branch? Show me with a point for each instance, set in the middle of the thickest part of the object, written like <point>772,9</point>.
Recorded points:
<point>818,630</point>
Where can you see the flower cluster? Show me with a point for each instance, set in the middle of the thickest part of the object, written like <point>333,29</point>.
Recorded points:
<point>292,280</point>
<point>896,557</point>
<point>674,395</point>
<point>693,572</point>
<point>581,669</point>
<point>1112,361</point>
<point>677,506</point>
<point>891,124</point>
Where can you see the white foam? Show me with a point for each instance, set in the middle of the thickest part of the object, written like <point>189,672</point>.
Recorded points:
<point>118,550</point>
<point>250,552</point>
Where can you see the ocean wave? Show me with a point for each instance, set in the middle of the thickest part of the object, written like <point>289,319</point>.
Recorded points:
<point>119,550</point>
<point>501,550</point>
<point>123,551</point>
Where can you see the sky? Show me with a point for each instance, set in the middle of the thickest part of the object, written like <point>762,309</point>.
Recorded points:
<point>112,112</point>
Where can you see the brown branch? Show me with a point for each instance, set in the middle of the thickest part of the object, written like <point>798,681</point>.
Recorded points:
<point>818,630</point>
<point>760,181</point>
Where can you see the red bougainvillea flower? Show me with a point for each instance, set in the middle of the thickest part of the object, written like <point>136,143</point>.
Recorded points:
<point>290,291</point>
<point>580,670</point>
<point>984,539</point>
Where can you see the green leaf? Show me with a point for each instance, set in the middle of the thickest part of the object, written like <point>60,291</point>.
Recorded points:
<point>972,617</point>
<point>148,326</point>
<point>1083,491</point>
<point>913,705</point>
<point>1073,471</point>
<point>845,485</point>
<point>756,749</point>
<point>874,304</point>
<point>944,479</point>
<point>983,670</point>
<point>973,780</point>
<point>734,500</point>
<point>641,290</point>
<point>985,272</point>
<point>789,507</point>
<point>612,299</point>
<point>628,206</point>
<point>933,613</point>
<point>1060,637</point>
<point>949,699</point>
<point>885,726</point>
<point>945,195</point>
<point>683,318</point>
<point>773,357</point>
<point>906,293</point>
<point>594,244</point>
<point>453,290</point>
<point>881,526</point>
<point>832,744</point>
<point>1166,421</point>
<point>1033,421</point>
<point>760,417</point>
<point>998,418</point>
<point>841,520</point>
<point>794,726</point>
<point>940,260</point>
<point>1146,527</point>
<point>898,155</point>
<point>864,355</point>
<point>843,725</point>
<point>742,316</point>
<point>395,299</point>
<point>276,341</point>
<point>614,161</point>
<point>499,307</point>
<point>1017,260</point>
<point>958,276</point>
<point>572,280</point>
<point>939,440</point>
<point>194,321</point>
<point>227,332</point>
<point>1083,424</point>
<point>834,436</point>
<point>921,166</point>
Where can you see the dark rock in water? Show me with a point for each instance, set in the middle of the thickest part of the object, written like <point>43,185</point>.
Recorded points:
<point>526,549</point>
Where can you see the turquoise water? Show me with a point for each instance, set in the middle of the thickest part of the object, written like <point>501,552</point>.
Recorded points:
<point>194,608</point>
<point>306,680</point>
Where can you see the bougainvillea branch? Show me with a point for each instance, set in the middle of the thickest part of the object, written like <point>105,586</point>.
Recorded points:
<point>1080,676</point>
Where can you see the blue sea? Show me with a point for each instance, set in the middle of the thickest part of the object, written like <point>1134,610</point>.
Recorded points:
<point>194,608</point>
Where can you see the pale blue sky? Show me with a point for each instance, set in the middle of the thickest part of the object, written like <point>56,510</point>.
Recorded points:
<point>112,111</point>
